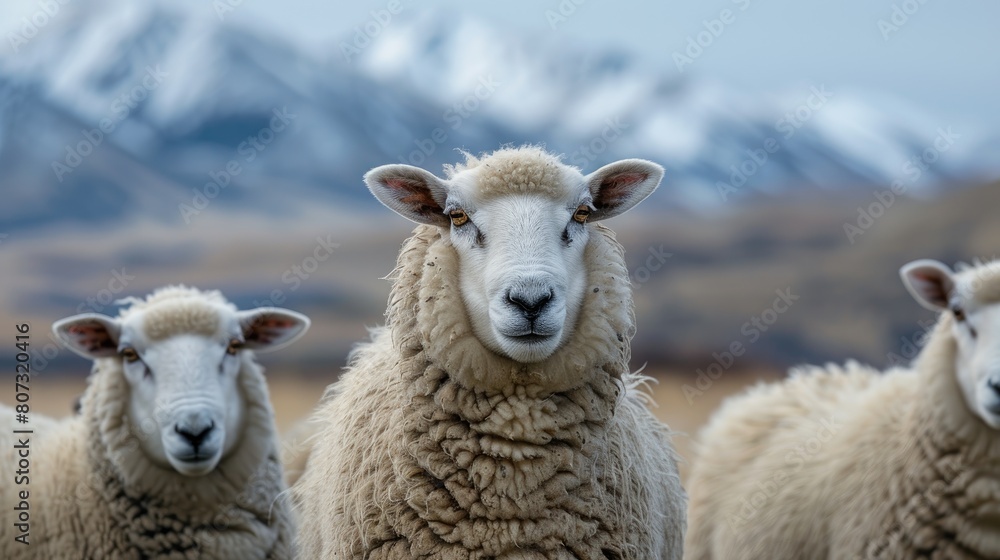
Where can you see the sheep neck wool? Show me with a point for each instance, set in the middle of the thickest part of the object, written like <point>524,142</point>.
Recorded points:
<point>949,483</point>
<point>497,452</point>
<point>229,513</point>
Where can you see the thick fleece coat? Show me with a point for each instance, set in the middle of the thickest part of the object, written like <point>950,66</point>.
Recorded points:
<point>847,463</point>
<point>93,493</point>
<point>436,447</point>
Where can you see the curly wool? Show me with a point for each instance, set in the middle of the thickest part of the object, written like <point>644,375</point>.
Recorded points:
<point>179,309</point>
<point>521,170</point>
<point>443,449</point>
<point>848,463</point>
<point>94,493</point>
<point>983,281</point>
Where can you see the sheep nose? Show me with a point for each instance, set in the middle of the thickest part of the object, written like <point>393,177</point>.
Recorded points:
<point>194,435</point>
<point>994,383</point>
<point>530,300</point>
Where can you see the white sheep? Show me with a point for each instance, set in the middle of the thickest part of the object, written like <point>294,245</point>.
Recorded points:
<point>850,463</point>
<point>495,415</point>
<point>174,453</point>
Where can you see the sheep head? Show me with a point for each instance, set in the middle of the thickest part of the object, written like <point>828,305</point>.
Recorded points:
<point>519,222</point>
<point>970,299</point>
<point>181,352</point>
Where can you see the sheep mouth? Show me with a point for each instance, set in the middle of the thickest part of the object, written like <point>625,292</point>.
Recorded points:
<point>990,401</point>
<point>194,464</point>
<point>531,338</point>
<point>194,458</point>
<point>993,411</point>
<point>529,333</point>
<point>990,414</point>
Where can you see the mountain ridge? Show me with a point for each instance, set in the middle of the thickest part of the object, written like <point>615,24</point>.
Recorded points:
<point>427,85</point>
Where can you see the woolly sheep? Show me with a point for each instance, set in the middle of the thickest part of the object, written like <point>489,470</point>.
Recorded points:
<point>296,445</point>
<point>849,463</point>
<point>174,453</point>
<point>494,416</point>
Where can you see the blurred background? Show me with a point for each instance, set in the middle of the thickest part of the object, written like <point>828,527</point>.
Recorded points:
<point>811,150</point>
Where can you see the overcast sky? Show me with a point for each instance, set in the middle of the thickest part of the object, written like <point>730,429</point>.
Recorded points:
<point>945,57</point>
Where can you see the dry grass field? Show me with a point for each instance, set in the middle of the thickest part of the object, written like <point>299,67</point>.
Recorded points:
<point>294,396</point>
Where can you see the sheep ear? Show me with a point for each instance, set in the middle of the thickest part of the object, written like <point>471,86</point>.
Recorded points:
<point>411,192</point>
<point>270,328</point>
<point>90,335</point>
<point>929,282</point>
<point>619,186</point>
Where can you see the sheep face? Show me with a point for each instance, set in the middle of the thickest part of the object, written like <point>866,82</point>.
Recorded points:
<point>971,299</point>
<point>518,220</point>
<point>523,271</point>
<point>182,362</point>
<point>184,389</point>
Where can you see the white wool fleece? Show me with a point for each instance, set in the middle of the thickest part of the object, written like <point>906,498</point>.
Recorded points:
<point>95,494</point>
<point>851,463</point>
<point>439,448</point>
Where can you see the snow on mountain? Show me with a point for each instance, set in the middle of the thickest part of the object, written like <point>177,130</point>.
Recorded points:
<point>180,96</point>
<point>566,95</point>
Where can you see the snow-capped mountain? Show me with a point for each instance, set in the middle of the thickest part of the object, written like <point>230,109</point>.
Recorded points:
<point>118,107</point>
<point>825,136</point>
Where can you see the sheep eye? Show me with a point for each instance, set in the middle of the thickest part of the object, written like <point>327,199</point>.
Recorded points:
<point>234,346</point>
<point>129,354</point>
<point>458,217</point>
<point>960,316</point>
<point>959,313</point>
<point>581,214</point>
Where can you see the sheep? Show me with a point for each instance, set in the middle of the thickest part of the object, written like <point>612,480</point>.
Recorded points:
<point>296,444</point>
<point>494,416</point>
<point>174,452</point>
<point>850,463</point>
